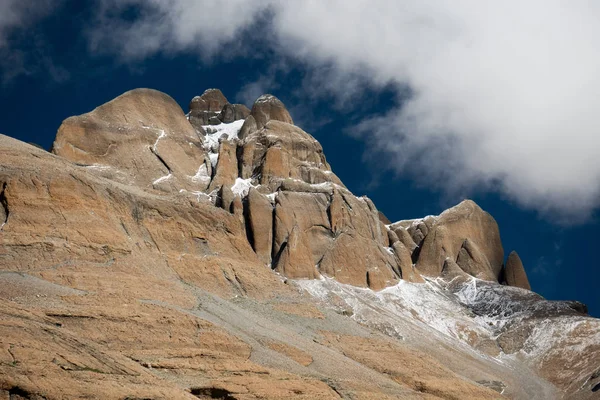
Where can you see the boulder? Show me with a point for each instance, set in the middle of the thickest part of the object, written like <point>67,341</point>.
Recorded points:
<point>248,128</point>
<point>211,100</point>
<point>269,108</point>
<point>240,111</point>
<point>514,272</point>
<point>227,114</point>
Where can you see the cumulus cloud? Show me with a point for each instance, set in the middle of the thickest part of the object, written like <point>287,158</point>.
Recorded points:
<point>503,95</point>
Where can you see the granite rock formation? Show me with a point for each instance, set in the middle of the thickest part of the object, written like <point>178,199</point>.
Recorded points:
<point>154,254</point>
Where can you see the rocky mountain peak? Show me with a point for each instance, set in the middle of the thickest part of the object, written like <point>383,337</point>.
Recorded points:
<point>213,108</point>
<point>269,108</point>
<point>141,138</point>
<point>514,272</point>
<point>210,100</point>
<point>165,221</point>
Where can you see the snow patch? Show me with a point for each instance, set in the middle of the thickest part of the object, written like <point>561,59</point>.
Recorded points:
<point>272,196</point>
<point>162,179</point>
<point>214,158</point>
<point>265,98</point>
<point>161,135</point>
<point>199,195</point>
<point>241,187</point>
<point>202,175</point>
<point>214,132</point>
<point>99,167</point>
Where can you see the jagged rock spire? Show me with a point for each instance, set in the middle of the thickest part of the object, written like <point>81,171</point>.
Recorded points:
<point>514,272</point>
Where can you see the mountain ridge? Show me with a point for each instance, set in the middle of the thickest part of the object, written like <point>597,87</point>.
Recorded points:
<point>139,197</point>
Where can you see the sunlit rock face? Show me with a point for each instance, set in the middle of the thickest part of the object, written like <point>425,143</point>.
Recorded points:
<point>216,253</point>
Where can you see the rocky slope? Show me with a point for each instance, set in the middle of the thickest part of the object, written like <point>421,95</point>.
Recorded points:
<point>154,254</point>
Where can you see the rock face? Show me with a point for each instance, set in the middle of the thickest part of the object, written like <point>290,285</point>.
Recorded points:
<point>515,273</point>
<point>159,246</point>
<point>465,234</point>
<point>269,108</point>
<point>140,138</point>
<point>212,108</point>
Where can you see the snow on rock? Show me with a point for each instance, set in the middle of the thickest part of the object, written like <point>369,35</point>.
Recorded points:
<point>99,167</point>
<point>425,305</point>
<point>161,135</point>
<point>202,175</point>
<point>241,187</point>
<point>272,196</point>
<point>458,310</point>
<point>199,195</point>
<point>162,179</point>
<point>214,132</point>
<point>214,158</point>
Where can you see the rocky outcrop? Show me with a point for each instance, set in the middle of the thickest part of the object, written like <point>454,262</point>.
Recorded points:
<point>213,108</point>
<point>281,151</point>
<point>465,234</point>
<point>447,235</point>
<point>260,224</point>
<point>84,220</point>
<point>227,166</point>
<point>269,108</point>
<point>514,272</point>
<point>233,112</point>
<point>141,138</point>
<point>145,219</point>
<point>204,109</point>
<point>337,234</point>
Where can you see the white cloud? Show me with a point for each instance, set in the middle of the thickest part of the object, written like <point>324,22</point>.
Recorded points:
<point>171,26</point>
<point>505,94</point>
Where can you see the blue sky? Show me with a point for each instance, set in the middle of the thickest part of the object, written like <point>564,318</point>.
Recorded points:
<point>411,106</point>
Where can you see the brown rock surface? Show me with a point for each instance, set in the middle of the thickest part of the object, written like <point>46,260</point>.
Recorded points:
<point>269,108</point>
<point>142,137</point>
<point>233,112</point>
<point>227,166</point>
<point>473,262</point>
<point>211,100</point>
<point>260,224</point>
<point>515,273</point>
<point>408,368</point>
<point>114,285</point>
<point>280,151</point>
<point>447,234</point>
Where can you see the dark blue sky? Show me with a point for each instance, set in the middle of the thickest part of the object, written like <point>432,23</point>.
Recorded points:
<point>49,74</point>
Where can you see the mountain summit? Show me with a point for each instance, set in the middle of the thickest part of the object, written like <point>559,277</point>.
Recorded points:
<point>215,254</point>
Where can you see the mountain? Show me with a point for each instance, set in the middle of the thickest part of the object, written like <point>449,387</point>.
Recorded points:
<point>154,254</point>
